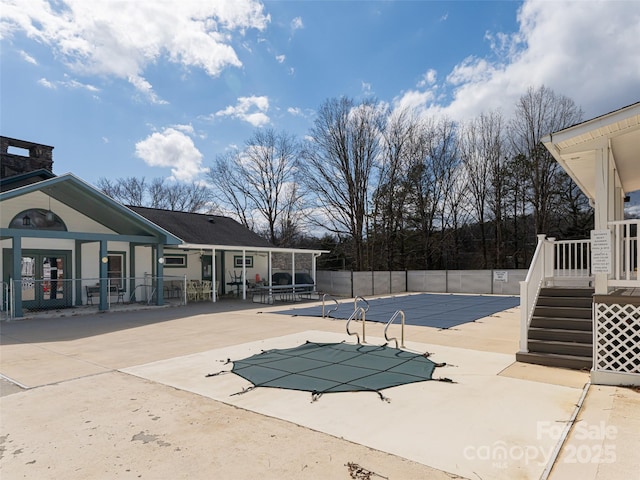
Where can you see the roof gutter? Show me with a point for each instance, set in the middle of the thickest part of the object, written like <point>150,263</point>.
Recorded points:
<point>197,246</point>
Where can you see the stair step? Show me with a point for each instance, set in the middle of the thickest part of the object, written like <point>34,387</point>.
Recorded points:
<point>561,335</point>
<point>556,301</point>
<point>567,292</point>
<point>554,360</point>
<point>585,324</point>
<point>563,312</point>
<point>560,347</point>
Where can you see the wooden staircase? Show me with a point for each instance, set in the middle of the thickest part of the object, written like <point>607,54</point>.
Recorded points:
<point>561,330</point>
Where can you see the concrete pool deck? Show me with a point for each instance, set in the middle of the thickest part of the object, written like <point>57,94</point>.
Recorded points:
<point>124,395</point>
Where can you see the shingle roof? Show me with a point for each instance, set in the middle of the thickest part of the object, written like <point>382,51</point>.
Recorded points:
<point>203,229</point>
<point>16,181</point>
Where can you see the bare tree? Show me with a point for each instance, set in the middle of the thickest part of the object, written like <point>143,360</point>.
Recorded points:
<point>390,196</point>
<point>260,181</point>
<point>157,194</point>
<point>540,112</point>
<point>481,151</point>
<point>128,191</point>
<point>432,175</point>
<point>228,188</point>
<point>340,156</point>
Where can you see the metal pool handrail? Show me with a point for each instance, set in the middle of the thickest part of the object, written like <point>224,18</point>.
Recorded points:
<point>331,309</point>
<point>362,299</point>
<point>354,316</point>
<point>395,315</point>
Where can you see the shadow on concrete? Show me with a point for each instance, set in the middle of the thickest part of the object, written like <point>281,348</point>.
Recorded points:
<point>73,326</point>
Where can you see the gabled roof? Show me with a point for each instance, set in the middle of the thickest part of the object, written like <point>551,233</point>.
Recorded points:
<point>203,229</point>
<point>91,202</point>
<point>575,148</point>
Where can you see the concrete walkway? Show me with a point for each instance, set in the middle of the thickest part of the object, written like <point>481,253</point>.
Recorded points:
<point>124,395</point>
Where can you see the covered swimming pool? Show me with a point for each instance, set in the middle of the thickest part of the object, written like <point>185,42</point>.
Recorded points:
<point>423,309</point>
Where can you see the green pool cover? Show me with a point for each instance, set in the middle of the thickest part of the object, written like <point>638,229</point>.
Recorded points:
<point>335,367</point>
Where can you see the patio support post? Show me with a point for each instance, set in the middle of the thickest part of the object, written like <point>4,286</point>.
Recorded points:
<point>214,294</point>
<point>104,273</point>
<point>17,277</point>
<point>269,272</point>
<point>160,279</point>
<point>603,180</point>
<point>314,257</point>
<point>244,275</point>
<point>78,272</point>
<point>293,272</point>
<point>132,269</point>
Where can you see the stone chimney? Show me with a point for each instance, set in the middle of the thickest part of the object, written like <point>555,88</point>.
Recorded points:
<point>40,157</point>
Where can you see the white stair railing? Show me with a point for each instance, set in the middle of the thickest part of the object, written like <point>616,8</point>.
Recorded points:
<point>572,258</point>
<point>541,267</point>
<point>626,252</point>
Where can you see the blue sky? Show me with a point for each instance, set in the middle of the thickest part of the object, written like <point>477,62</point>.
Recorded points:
<point>159,88</point>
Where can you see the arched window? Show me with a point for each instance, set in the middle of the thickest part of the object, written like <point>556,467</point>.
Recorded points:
<point>38,219</point>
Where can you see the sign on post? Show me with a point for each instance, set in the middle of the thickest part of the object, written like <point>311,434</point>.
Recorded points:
<point>500,276</point>
<point>600,251</point>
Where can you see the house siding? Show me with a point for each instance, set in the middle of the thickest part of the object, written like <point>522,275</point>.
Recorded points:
<point>74,221</point>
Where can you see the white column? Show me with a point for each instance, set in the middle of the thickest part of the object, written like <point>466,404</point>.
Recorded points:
<point>214,295</point>
<point>293,273</point>
<point>244,274</point>
<point>602,206</point>
<point>313,268</point>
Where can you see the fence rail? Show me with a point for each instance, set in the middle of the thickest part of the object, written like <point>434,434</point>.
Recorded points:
<point>40,295</point>
<point>352,284</point>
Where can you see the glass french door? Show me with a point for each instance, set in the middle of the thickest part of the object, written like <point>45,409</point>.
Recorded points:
<point>46,280</point>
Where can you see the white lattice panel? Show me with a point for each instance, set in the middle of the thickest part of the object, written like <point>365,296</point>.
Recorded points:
<point>617,338</point>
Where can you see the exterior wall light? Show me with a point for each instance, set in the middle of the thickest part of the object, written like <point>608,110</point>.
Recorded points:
<point>104,259</point>
<point>26,221</point>
<point>161,260</point>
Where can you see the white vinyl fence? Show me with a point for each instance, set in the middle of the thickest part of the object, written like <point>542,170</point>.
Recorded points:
<point>352,284</point>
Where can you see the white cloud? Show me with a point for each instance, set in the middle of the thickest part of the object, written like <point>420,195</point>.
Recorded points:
<point>28,58</point>
<point>69,83</point>
<point>121,39</point>
<point>417,100</point>
<point>172,148</point>
<point>584,50</point>
<point>47,84</point>
<point>145,88</point>
<point>428,79</point>
<point>296,24</point>
<point>280,58</point>
<point>248,109</point>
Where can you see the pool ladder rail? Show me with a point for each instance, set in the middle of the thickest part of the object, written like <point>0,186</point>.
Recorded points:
<point>399,313</point>
<point>354,316</point>
<point>333,309</point>
<point>360,299</point>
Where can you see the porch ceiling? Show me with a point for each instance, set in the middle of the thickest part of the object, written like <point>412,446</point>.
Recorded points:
<point>575,148</point>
